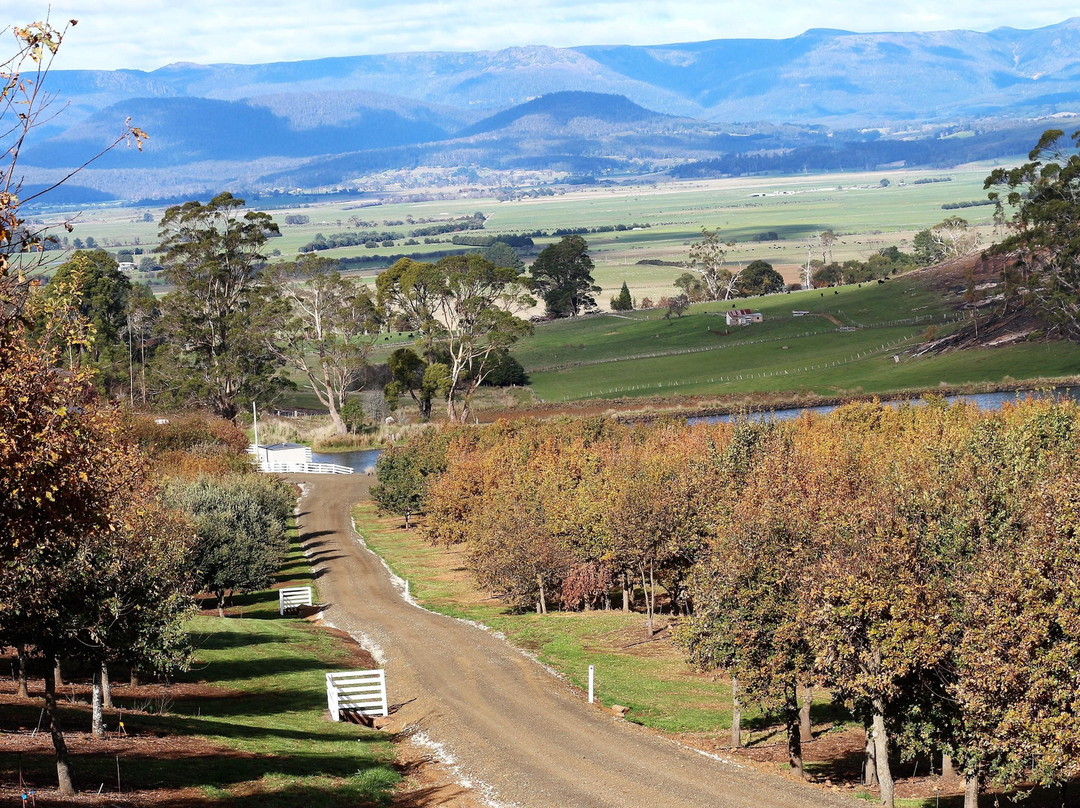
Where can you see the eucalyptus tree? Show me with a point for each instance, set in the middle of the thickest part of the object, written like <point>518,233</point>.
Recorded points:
<point>1043,248</point>
<point>324,327</point>
<point>216,317</point>
<point>465,310</point>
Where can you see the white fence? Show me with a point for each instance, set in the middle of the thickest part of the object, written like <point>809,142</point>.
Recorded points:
<point>363,692</point>
<point>293,597</point>
<point>305,468</point>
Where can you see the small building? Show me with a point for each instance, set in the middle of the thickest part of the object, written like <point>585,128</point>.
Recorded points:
<point>799,313</point>
<point>743,317</point>
<point>283,453</point>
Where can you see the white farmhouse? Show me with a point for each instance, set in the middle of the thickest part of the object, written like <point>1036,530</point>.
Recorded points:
<point>743,317</point>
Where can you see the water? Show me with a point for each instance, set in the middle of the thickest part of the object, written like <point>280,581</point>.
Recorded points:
<point>985,401</point>
<point>362,461</point>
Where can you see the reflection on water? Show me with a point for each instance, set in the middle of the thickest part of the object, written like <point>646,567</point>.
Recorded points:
<point>361,462</point>
<point>985,401</point>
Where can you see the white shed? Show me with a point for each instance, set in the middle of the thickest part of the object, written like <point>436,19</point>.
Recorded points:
<point>283,453</point>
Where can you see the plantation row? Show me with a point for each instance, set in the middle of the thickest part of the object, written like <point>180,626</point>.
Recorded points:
<point>922,563</point>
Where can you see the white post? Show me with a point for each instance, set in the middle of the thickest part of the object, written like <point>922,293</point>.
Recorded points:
<point>406,589</point>
<point>591,671</point>
<point>255,421</point>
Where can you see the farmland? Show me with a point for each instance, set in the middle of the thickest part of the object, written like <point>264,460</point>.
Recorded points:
<point>866,214</point>
<point>852,340</point>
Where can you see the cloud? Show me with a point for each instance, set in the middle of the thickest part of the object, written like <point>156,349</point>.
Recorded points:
<point>146,35</point>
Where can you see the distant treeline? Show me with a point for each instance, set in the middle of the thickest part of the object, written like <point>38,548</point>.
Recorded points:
<point>864,156</point>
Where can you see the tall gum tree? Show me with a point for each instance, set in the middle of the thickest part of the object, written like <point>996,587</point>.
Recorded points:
<point>324,327</point>
<point>215,318</point>
<point>465,310</point>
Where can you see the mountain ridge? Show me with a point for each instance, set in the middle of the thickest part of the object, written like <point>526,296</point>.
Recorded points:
<point>641,107</point>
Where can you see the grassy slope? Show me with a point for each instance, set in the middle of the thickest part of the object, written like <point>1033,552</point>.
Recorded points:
<point>607,356</point>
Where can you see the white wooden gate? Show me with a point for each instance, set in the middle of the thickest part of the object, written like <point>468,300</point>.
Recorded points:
<point>363,692</point>
<point>293,597</point>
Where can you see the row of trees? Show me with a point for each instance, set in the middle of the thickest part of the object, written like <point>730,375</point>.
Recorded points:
<point>235,325</point>
<point>919,562</point>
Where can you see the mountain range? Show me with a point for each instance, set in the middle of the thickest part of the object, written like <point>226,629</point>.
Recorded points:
<point>824,99</point>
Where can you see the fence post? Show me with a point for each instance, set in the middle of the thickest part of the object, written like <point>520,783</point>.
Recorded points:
<point>591,671</point>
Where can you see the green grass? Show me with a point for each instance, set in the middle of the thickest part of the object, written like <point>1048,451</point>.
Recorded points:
<point>273,745</point>
<point>649,677</point>
<point>645,355</point>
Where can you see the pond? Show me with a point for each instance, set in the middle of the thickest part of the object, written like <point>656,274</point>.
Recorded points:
<point>361,461</point>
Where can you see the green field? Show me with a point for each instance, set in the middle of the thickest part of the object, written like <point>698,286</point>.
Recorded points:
<point>866,216</point>
<point>643,354</point>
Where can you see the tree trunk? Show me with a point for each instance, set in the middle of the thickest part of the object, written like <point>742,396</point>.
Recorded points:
<point>58,676</point>
<point>648,603</point>
<point>805,726</point>
<point>220,603</point>
<point>543,602</point>
<point>63,771</point>
<point>971,791</point>
<point>106,688</point>
<point>97,727</point>
<point>335,417</point>
<point>21,690</point>
<point>794,731</point>
<point>948,772</point>
<point>736,715</point>
<point>881,755</point>
<point>408,513</point>
<point>625,591</point>
<point>134,680</point>
<point>870,761</point>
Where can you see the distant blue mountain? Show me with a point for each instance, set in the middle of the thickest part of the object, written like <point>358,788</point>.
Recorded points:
<point>333,119</point>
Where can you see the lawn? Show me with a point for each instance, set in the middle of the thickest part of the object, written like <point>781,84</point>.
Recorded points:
<point>853,340</point>
<point>246,726</point>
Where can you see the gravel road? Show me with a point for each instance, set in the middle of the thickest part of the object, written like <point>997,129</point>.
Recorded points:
<point>516,733</point>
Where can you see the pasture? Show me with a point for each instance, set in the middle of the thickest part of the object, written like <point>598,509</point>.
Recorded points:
<point>853,340</point>
<point>865,214</point>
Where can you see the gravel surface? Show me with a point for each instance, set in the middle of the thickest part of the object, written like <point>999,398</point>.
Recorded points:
<point>511,730</point>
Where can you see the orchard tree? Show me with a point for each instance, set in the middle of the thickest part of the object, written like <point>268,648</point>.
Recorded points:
<point>216,318</point>
<point>324,327</point>
<point>239,524</point>
<point>1042,249</point>
<point>65,475</point>
<point>562,276</point>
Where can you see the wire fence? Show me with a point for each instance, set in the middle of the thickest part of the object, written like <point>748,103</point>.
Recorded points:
<point>926,318</point>
<point>738,377</point>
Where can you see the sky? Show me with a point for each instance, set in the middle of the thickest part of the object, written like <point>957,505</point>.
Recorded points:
<point>147,34</point>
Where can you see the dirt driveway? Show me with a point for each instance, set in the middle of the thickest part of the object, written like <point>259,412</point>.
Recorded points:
<point>514,731</point>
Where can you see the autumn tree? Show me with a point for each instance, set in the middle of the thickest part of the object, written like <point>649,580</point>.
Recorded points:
<point>216,317</point>
<point>324,327</point>
<point>66,474</point>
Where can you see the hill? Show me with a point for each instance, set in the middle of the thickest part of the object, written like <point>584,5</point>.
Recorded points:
<point>824,100</point>
<point>873,338</point>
